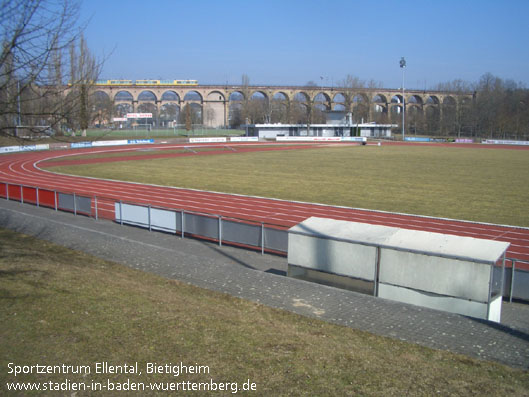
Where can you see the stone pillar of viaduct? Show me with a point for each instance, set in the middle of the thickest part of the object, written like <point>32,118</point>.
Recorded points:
<point>215,101</point>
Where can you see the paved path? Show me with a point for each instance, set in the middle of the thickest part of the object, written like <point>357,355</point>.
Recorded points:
<point>261,278</point>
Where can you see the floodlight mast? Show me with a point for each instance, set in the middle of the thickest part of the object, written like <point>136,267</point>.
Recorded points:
<point>403,66</point>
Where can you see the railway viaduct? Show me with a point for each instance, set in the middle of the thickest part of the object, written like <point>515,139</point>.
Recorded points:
<point>215,101</point>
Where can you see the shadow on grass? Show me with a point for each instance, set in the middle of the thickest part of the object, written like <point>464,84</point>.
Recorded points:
<point>29,283</point>
<point>15,272</point>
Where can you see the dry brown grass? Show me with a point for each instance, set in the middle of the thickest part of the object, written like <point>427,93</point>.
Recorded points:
<point>61,306</point>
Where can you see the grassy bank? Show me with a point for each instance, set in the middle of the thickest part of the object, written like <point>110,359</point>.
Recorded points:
<point>487,185</point>
<point>65,307</point>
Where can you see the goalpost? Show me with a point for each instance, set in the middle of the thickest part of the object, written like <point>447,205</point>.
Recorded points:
<point>33,131</point>
<point>140,126</point>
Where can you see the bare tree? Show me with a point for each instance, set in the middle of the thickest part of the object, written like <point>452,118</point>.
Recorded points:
<point>311,88</point>
<point>455,116</point>
<point>190,116</point>
<point>35,36</point>
<point>498,108</point>
<point>84,71</point>
<point>245,108</point>
<point>350,86</point>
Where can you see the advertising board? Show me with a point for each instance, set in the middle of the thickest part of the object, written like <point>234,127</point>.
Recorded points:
<point>309,138</point>
<point>109,143</point>
<point>77,145</point>
<point>416,139</point>
<point>244,139</point>
<point>206,140</point>
<point>504,142</point>
<point>139,115</point>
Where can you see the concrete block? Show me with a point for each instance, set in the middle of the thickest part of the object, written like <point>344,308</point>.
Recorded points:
<point>443,276</point>
<point>332,256</point>
<point>433,301</point>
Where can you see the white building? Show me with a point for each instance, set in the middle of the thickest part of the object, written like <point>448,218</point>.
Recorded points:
<point>339,124</point>
<point>373,130</point>
<point>271,131</point>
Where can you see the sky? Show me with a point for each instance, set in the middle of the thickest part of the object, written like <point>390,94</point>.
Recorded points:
<point>292,42</point>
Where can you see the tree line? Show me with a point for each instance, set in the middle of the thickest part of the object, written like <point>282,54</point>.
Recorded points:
<point>491,108</point>
<point>499,109</point>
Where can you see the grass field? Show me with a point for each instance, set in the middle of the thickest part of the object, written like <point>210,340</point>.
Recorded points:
<point>102,134</point>
<point>65,307</point>
<point>487,185</point>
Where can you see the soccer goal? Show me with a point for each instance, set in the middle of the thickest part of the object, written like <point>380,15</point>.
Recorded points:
<point>142,127</point>
<point>33,131</point>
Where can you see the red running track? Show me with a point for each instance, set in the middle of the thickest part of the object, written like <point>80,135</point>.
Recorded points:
<point>23,168</point>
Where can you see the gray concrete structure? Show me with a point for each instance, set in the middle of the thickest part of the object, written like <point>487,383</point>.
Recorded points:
<point>457,274</point>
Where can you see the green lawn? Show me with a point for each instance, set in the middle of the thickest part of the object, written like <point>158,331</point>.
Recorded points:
<point>487,185</point>
<point>65,307</point>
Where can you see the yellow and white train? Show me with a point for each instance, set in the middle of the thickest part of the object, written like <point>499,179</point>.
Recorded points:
<point>147,82</point>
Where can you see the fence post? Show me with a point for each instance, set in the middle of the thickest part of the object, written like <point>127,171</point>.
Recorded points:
<point>74,205</point>
<point>120,213</point>
<point>7,191</point>
<point>513,268</point>
<point>502,289</point>
<point>55,199</point>
<point>183,220</point>
<point>21,195</point>
<point>95,206</point>
<point>37,190</point>
<point>149,217</point>
<point>377,272</point>
<point>220,230</point>
<point>262,238</point>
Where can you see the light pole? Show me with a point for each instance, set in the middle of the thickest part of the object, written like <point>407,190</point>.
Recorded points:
<point>403,66</point>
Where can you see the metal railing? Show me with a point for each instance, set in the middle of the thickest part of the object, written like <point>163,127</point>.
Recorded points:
<point>221,228</point>
<point>266,236</point>
<point>263,236</point>
<point>513,272</point>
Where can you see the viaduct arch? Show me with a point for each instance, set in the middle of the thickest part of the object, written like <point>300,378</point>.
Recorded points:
<point>214,101</point>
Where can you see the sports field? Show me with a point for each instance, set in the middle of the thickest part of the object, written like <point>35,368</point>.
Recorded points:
<point>486,185</point>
